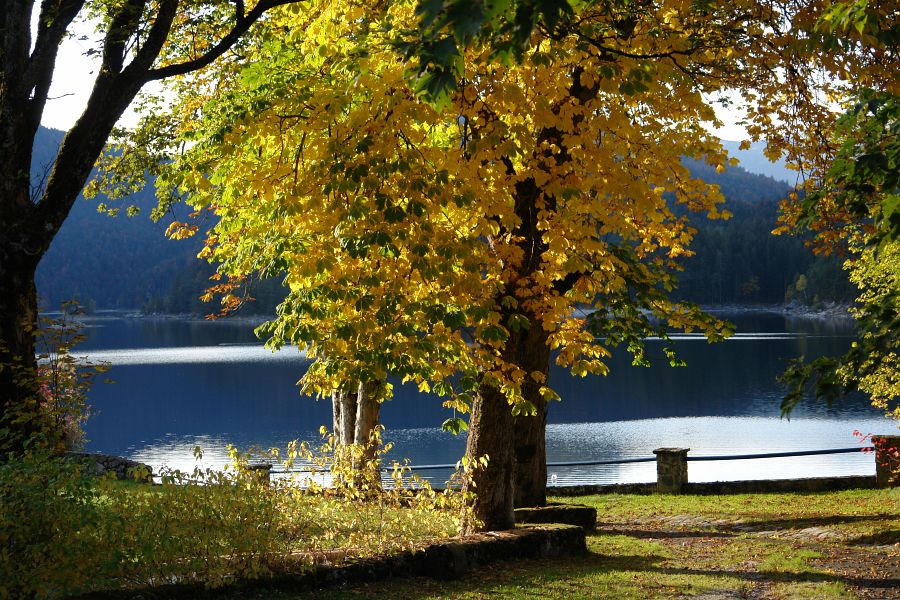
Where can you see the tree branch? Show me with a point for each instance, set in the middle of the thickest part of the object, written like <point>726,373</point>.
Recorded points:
<point>124,25</point>
<point>156,38</point>
<point>114,90</point>
<point>243,22</point>
<point>55,17</point>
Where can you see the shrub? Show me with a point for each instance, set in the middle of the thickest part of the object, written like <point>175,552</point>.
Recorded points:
<point>63,380</point>
<point>63,531</point>
<point>48,525</point>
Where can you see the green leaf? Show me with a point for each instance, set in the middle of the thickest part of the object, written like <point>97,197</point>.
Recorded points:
<point>524,408</point>
<point>494,333</point>
<point>518,322</point>
<point>456,425</point>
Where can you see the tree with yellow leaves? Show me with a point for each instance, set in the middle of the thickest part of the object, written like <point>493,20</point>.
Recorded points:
<point>463,242</point>
<point>458,244</point>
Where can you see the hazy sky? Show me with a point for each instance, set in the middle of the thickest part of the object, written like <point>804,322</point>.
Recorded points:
<point>73,80</point>
<point>75,73</point>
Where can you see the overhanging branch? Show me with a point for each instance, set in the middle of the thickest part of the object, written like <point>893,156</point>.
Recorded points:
<point>53,21</point>
<point>243,22</point>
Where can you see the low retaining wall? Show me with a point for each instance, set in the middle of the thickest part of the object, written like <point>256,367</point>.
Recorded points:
<point>123,468</point>
<point>554,512</point>
<point>454,558</point>
<point>444,560</point>
<point>761,486</point>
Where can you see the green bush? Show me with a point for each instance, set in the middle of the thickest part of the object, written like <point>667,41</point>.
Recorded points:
<point>48,524</point>
<point>65,531</point>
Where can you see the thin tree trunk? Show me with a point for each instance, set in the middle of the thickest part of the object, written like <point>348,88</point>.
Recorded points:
<point>354,417</point>
<point>336,404</point>
<point>367,409</point>
<point>348,417</point>
<point>355,413</point>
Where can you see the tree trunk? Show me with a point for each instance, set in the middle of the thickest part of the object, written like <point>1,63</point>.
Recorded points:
<point>517,457</point>
<point>20,417</point>
<point>354,417</point>
<point>530,431</point>
<point>491,435</point>
<point>355,413</point>
<point>345,435</point>
<point>367,409</point>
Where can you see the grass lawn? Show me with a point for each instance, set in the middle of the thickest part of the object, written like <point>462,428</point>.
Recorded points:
<point>817,546</point>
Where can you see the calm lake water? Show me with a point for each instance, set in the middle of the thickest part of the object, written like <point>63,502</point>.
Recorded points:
<point>183,383</point>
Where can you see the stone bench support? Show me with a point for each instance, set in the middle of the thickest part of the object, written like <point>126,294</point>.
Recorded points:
<point>671,470</point>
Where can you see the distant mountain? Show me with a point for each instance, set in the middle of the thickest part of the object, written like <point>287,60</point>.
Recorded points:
<point>128,263</point>
<point>107,262</point>
<point>738,184</point>
<point>739,261</point>
<point>753,160</point>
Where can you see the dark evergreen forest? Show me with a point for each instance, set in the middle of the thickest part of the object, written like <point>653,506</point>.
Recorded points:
<point>739,261</point>
<point>127,263</point>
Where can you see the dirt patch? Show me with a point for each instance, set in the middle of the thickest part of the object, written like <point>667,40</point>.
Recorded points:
<point>870,572</point>
<point>772,556</point>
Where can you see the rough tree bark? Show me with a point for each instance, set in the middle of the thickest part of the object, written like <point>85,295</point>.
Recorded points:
<point>30,219</point>
<point>530,430</point>
<point>516,474</point>
<point>491,434</point>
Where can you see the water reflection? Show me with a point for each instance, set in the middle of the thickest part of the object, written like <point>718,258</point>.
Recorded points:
<point>186,383</point>
<point>222,353</point>
<point>705,436</point>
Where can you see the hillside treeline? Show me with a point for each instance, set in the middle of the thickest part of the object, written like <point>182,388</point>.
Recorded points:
<point>127,263</point>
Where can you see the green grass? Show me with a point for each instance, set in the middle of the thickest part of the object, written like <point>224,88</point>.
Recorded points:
<point>738,546</point>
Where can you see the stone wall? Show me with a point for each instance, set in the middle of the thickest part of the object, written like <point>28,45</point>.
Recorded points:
<point>105,463</point>
<point>762,486</point>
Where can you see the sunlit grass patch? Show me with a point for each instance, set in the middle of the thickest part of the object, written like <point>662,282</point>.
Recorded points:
<point>655,547</point>
<point>748,506</point>
<point>812,591</point>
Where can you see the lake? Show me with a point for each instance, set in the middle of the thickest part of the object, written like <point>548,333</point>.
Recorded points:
<point>183,383</point>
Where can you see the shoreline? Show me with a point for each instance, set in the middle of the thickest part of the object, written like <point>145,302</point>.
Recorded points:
<point>824,311</point>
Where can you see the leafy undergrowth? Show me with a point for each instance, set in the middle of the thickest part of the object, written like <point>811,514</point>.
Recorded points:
<point>778,546</point>
<point>64,531</point>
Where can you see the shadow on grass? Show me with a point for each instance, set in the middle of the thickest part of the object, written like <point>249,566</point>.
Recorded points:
<point>617,575</point>
<point>487,581</point>
<point>807,522</point>
<point>882,538</point>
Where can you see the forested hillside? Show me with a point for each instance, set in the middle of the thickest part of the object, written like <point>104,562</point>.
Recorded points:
<point>103,261</point>
<point>738,261</point>
<point>127,263</point>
